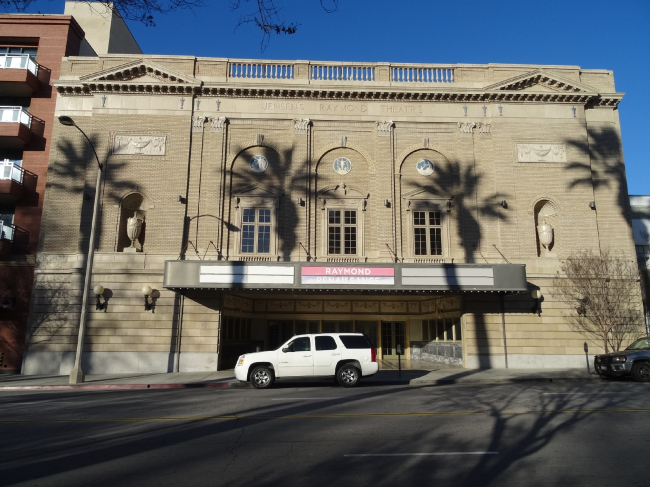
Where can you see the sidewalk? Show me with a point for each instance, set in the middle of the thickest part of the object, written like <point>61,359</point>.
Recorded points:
<point>414,376</point>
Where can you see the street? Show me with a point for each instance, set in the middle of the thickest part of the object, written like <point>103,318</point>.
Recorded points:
<point>560,433</point>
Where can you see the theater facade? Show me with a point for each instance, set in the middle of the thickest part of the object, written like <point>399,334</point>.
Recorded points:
<point>244,201</point>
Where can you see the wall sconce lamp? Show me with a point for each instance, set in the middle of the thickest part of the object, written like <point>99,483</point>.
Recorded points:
<point>592,205</point>
<point>99,291</point>
<point>180,199</point>
<point>301,201</point>
<point>8,301</point>
<point>536,294</point>
<point>387,203</point>
<point>504,203</point>
<point>448,206</point>
<point>146,292</point>
<point>582,302</point>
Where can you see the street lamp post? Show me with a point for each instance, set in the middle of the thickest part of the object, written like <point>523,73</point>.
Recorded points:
<point>77,373</point>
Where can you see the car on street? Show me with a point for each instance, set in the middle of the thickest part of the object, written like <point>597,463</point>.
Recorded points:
<point>345,356</point>
<point>634,361</point>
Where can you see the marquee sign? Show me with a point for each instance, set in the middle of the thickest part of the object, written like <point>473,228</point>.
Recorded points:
<point>180,275</point>
<point>378,276</point>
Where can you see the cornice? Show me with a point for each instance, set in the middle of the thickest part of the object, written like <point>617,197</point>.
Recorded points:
<point>71,88</point>
<point>145,77</point>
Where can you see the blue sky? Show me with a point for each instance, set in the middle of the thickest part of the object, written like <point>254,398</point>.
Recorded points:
<point>591,34</point>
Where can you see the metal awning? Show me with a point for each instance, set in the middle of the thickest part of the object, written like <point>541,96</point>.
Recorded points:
<point>297,276</point>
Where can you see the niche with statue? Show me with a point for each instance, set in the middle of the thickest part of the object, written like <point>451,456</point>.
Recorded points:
<point>546,223</point>
<point>132,228</point>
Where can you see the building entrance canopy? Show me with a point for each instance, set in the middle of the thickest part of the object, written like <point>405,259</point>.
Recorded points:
<point>204,274</point>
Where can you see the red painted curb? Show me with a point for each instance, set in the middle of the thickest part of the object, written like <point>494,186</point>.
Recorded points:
<point>195,385</point>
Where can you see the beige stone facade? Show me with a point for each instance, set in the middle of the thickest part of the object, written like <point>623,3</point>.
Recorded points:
<point>437,166</point>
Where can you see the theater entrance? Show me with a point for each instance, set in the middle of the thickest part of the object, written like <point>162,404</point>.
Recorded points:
<point>393,333</point>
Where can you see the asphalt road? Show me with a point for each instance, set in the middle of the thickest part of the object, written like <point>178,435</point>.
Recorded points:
<point>569,434</point>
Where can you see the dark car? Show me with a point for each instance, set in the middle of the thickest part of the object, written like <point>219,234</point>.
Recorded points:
<point>634,361</point>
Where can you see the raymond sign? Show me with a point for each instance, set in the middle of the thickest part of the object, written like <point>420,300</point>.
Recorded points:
<point>376,276</point>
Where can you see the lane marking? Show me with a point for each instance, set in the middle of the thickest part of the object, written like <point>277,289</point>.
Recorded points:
<point>306,399</point>
<point>580,393</point>
<point>323,416</point>
<point>422,454</point>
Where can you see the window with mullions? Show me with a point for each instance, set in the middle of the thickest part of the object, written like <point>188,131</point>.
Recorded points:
<point>256,231</point>
<point>427,233</point>
<point>342,232</point>
<point>30,51</point>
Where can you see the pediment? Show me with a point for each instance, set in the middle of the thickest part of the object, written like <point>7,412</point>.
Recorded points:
<point>426,194</point>
<point>256,191</point>
<point>341,191</point>
<point>541,81</point>
<point>141,71</point>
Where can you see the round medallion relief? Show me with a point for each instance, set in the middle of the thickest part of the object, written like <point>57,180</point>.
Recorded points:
<point>259,163</point>
<point>342,165</point>
<point>424,167</point>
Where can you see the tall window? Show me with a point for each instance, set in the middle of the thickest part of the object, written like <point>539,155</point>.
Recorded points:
<point>256,231</point>
<point>427,233</point>
<point>342,232</point>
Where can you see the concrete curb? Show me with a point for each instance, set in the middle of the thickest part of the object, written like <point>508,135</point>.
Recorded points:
<point>97,387</point>
<point>245,385</point>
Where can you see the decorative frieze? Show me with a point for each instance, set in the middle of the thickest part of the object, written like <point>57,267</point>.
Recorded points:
<point>541,153</point>
<point>197,123</point>
<point>237,303</point>
<point>485,129</point>
<point>365,306</point>
<point>301,126</point>
<point>337,306</point>
<point>217,124</point>
<point>383,128</point>
<point>147,145</point>
<point>466,128</point>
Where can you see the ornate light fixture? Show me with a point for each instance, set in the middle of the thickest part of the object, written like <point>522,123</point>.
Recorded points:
<point>99,291</point>
<point>146,292</point>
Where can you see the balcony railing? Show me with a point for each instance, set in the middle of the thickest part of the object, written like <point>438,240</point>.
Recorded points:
<point>261,70</point>
<point>10,169</point>
<point>333,71</point>
<point>19,61</point>
<point>15,114</point>
<point>409,74</point>
<point>330,72</point>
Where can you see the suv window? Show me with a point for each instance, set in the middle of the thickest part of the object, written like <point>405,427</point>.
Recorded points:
<point>355,341</point>
<point>301,344</point>
<point>325,343</point>
<point>640,344</point>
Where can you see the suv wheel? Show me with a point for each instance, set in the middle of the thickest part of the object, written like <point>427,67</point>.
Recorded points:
<point>262,377</point>
<point>641,372</point>
<point>348,376</point>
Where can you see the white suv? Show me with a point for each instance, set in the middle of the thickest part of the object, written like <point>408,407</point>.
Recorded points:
<point>347,356</point>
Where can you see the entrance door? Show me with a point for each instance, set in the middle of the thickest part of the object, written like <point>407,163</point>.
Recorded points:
<point>393,333</point>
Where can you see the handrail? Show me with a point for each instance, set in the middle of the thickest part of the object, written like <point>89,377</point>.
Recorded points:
<point>15,114</point>
<point>19,61</point>
<point>10,169</point>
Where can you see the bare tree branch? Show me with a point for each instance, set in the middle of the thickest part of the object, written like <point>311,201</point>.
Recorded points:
<point>602,294</point>
<point>264,14</point>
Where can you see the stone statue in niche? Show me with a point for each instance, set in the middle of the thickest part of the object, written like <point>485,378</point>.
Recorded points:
<point>545,234</point>
<point>133,228</point>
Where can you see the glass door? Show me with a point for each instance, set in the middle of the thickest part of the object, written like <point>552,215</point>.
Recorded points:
<point>393,333</point>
